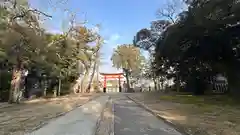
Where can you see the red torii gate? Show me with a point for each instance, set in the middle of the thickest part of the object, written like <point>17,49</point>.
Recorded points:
<point>106,76</point>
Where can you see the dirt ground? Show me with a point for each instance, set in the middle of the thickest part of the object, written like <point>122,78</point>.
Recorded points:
<point>25,117</point>
<point>196,116</point>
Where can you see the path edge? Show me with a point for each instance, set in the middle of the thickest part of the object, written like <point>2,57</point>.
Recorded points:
<point>176,127</point>
<point>61,114</point>
<point>101,116</point>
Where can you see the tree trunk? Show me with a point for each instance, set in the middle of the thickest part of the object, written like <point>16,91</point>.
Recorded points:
<point>59,86</point>
<point>15,85</point>
<point>159,83</point>
<point>83,81</point>
<point>128,82</point>
<point>97,71</point>
<point>155,84</point>
<point>178,83</point>
<point>91,77</point>
<point>77,85</point>
<point>16,78</point>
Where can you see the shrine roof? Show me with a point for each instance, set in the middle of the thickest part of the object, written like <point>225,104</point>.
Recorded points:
<point>111,73</point>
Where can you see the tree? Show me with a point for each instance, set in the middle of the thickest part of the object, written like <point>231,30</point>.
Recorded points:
<point>128,58</point>
<point>199,54</point>
<point>210,44</point>
<point>148,39</point>
<point>21,35</point>
<point>60,59</point>
<point>87,55</point>
<point>95,60</point>
<point>54,55</point>
<point>171,10</point>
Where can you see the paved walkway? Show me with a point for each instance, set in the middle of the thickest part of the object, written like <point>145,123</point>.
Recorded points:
<point>130,119</point>
<point>81,121</point>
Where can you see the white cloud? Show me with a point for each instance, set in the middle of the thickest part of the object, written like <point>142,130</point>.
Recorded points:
<point>113,38</point>
<point>55,31</point>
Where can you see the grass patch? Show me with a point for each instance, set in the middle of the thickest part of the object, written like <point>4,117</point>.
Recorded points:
<point>198,115</point>
<point>202,100</point>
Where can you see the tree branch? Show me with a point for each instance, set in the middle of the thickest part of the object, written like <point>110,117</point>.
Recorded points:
<point>31,10</point>
<point>170,10</point>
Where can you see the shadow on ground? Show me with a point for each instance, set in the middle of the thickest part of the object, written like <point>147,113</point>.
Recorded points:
<point>17,119</point>
<point>200,116</point>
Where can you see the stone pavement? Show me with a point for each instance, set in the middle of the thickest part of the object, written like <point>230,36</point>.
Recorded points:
<point>131,119</point>
<point>80,121</point>
<point>106,123</point>
<point>122,116</point>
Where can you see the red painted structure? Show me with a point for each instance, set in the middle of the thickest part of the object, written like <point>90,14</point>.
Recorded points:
<point>107,76</point>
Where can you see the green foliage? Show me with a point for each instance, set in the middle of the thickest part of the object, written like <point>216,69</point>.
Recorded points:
<point>203,37</point>
<point>202,101</point>
<point>55,55</point>
<point>5,79</point>
<point>126,57</point>
<point>129,58</point>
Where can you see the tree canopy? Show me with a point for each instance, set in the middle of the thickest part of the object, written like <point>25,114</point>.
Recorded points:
<point>202,41</point>
<point>128,58</point>
<point>55,55</point>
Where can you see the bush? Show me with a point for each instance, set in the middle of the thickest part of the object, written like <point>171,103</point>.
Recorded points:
<point>5,84</point>
<point>5,78</point>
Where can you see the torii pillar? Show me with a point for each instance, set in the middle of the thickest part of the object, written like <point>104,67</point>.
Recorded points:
<point>106,76</point>
<point>119,83</point>
<point>104,84</point>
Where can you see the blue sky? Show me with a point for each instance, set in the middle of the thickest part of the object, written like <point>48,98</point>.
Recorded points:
<point>119,19</point>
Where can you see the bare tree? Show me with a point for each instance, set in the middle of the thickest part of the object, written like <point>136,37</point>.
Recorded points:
<point>171,9</point>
